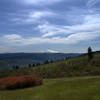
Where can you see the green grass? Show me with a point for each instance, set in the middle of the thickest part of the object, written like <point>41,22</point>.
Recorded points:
<point>79,66</point>
<point>82,88</point>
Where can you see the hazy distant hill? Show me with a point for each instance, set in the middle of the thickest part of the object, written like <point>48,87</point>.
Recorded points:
<point>8,60</point>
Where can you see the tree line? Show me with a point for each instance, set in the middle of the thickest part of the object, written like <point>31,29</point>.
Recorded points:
<point>90,57</point>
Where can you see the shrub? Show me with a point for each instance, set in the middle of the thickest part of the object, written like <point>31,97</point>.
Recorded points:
<point>18,82</point>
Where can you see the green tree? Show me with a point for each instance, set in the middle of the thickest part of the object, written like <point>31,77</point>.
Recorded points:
<point>90,54</point>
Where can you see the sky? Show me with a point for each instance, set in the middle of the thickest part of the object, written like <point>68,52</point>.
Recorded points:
<point>68,26</point>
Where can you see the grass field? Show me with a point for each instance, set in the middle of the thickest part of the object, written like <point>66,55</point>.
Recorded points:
<point>78,66</point>
<point>82,88</point>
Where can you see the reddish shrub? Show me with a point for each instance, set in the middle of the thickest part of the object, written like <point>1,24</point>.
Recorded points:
<point>17,82</point>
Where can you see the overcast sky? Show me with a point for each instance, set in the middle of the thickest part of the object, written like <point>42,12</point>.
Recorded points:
<point>49,25</point>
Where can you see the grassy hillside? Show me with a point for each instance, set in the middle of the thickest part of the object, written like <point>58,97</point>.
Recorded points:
<point>79,66</point>
<point>87,88</point>
<point>81,88</point>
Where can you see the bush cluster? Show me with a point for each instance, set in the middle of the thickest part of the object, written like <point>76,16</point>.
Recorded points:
<point>18,82</point>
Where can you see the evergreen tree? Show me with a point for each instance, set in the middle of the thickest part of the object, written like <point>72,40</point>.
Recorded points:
<point>17,67</point>
<point>90,54</point>
<point>33,65</point>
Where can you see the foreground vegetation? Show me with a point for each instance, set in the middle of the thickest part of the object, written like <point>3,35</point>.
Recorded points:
<point>19,82</point>
<point>83,88</point>
<point>79,66</point>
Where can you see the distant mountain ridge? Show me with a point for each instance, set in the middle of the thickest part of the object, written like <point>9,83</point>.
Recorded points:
<point>8,60</point>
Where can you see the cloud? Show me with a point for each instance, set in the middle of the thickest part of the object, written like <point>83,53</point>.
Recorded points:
<point>90,23</point>
<point>50,30</point>
<point>52,51</point>
<point>91,3</point>
<point>41,14</point>
<point>71,39</point>
<point>39,2</point>
<point>53,30</point>
<point>57,34</point>
<point>33,17</point>
<point>12,36</point>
